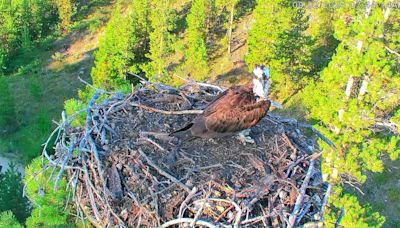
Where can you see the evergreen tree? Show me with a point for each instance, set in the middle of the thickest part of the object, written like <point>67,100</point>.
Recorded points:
<point>8,32</point>
<point>354,215</point>
<point>229,6</point>
<point>48,205</point>
<point>196,51</point>
<point>7,219</point>
<point>354,102</point>
<point>11,194</point>
<point>65,12</point>
<point>140,29</point>
<point>161,38</point>
<point>113,55</point>
<point>277,38</point>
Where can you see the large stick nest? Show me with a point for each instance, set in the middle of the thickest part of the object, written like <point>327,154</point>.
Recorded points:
<point>124,169</point>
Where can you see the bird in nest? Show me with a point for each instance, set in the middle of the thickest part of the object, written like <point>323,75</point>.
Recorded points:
<point>233,111</point>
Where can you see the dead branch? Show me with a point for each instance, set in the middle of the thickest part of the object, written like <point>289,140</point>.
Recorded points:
<point>183,112</point>
<point>162,172</point>
<point>300,197</point>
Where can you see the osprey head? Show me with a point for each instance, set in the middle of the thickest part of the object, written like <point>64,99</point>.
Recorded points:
<point>261,81</point>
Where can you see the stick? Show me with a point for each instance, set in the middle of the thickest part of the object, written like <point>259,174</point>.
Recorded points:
<point>342,213</point>
<point>186,201</point>
<point>182,112</point>
<point>326,197</point>
<point>65,161</point>
<point>299,200</point>
<point>187,220</point>
<point>93,87</point>
<point>392,51</point>
<point>153,143</point>
<point>199,83</point>
<point>303,125</point>
<point>238,209</point>
<point>162,172</point>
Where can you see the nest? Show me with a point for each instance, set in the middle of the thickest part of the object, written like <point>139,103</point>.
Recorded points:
<point>125,170</point>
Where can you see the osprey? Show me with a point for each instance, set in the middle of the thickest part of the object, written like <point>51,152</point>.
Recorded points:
<point>235,110</point>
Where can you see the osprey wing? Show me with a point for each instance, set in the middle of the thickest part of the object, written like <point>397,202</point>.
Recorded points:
<point>237,110</point>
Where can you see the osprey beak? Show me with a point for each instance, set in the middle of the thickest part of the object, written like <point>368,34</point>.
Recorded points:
<point>276,104</point>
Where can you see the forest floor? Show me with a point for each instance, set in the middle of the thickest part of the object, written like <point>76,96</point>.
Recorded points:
<point>45,77</point>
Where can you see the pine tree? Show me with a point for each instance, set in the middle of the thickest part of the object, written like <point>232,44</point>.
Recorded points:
<point>277,38</point>
<point>8,32</point>
<point>355,103</point>
<point>48,205</point>
<point>228,6</point>
<point>354,215</point>
<point>65,11</point>
<point>7,219</point>
<point>140,28</point>
<point>196,51</point>
<point>11,194</point>
<point>161,38</point>
<point>113,56</point>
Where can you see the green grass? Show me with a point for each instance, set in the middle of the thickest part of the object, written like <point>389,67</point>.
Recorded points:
<point>41,79</point>
<point>39,95</point>
<point>39,99</point>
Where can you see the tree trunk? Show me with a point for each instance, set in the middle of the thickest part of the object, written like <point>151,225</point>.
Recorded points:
<point>364,83</point>
<point>230,27</point>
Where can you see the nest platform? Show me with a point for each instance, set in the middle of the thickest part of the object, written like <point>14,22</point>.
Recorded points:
<point>125,170</point>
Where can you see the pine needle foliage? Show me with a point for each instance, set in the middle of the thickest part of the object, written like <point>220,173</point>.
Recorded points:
<point>277,38</point>
<point>112,57</point>
<point>161,40</point>
<point>11,194</point>
<point>196,51</point>
<point>48,205</point>
<point>7,219</point>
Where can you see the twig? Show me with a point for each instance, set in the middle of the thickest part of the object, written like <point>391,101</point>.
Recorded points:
<point>200,83</point>
<point>65,160</point>
<point>342,213</point>
<point>198,213</point>
<point>304,212</point>
<point>187,220</point>
<point>303,125</point>
<point>182,112</point>
<point>93,87</point>
<point>154,143</point>
<point>325,201</point>
<point>162,172</point>
<point>238,209</point>
<point>186,201</point>
<point>299,200</point>
<point>392,51</point>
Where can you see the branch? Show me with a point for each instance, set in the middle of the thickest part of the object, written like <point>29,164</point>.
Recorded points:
<point>303,125</point>
<point>65,161</point>
<point>162,172</point>
<point>188,220</point>
<point>299,200</point>
<point>392,51</point>
<point>200,83</point>
<point>182,112</point>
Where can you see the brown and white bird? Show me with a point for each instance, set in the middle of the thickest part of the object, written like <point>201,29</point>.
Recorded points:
<point>234,111</point>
